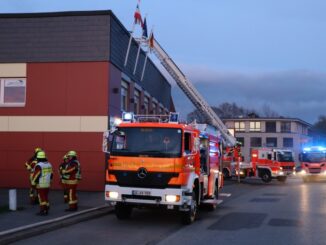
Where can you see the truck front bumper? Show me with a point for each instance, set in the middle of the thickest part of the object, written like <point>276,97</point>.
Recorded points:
<point>170,197</point>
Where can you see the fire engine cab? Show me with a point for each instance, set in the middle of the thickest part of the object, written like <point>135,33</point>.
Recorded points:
<point>157,161</point>
<point>313,163</point>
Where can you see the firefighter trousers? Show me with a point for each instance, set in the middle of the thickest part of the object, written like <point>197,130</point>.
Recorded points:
<point>72,196</point>
<point>43,196</point>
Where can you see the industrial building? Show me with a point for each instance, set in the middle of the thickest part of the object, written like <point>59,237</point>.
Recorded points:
<point>62,80</point>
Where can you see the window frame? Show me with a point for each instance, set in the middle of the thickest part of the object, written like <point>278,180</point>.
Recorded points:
<point>238,126</point>
<point>125,86</point>
<point>288,138</point>
<point>253,126</point>
<point>2,92</point>
<point>284,128</point>
<point>251,142</point>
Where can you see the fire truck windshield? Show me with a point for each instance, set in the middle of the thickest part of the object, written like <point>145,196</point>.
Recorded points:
<point>314,157</point>
<point>151,142</point>
<point>285,156</point>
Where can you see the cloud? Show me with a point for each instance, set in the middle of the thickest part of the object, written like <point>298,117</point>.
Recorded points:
<point>295,93</point>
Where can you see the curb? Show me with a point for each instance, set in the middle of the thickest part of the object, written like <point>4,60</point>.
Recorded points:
<point>27,231</point>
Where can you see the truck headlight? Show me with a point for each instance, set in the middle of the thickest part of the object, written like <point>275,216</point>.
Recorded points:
<point>303,172</point>
<point>112,194</point>
<point>172,198</point>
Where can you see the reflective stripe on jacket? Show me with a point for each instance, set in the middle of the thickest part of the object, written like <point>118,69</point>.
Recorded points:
<point>44,179</point>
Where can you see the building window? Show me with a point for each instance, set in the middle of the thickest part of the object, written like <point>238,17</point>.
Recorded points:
<point>241,140</point>
<point>239,126</point>
<point>255,126</point>
<point>124,96</point>
<point>12,92</point>
<point>285,127</point>
<point>154,106</point>
<point>271,142</point>
<point>270,127</point>
<point>146,105</point>
<point>136,101</point>
<point>288,142</point>
<point>255,142</point>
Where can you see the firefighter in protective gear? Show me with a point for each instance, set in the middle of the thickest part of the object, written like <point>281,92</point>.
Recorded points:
<point>64,177</point>
<point>30,165</point>
<point>41,179</point>
<point>73,173</point>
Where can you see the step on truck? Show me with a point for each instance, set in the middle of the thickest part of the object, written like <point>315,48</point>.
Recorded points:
<point>157,161</point>
<point>313,163</point>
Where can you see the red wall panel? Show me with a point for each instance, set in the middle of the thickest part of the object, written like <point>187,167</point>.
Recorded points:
<point>87,145</point>
<point>79,88</point>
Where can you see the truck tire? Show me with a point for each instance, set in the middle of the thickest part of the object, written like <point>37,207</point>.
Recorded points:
<point>123,211</point>
<point>281,178</point>
<point>226,174</point>
<point>266,176</point>
<point>189,216</point>
<point>212,207</point>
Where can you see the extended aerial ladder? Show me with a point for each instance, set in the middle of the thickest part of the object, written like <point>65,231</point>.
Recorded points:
<point>192,93</point>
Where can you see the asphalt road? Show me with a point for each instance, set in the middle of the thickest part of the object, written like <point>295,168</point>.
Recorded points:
<point>256,213</point>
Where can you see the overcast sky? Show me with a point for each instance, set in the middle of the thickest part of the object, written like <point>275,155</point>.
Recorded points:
<point>252,52</point>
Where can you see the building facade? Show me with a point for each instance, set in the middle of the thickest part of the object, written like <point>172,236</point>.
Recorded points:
<point>62,78</point>
<point>290,133</point>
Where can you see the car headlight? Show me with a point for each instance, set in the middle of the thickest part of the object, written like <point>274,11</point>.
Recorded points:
<point>303,172</point>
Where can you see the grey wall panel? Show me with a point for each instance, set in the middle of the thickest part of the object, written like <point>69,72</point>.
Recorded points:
<point>54,38</point>
<point>154,82</point>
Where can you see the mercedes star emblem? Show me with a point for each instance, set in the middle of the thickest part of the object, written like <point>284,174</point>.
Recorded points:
<point>142,173</point>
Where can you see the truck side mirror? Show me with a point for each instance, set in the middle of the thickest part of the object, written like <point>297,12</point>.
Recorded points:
<point>107,139</point>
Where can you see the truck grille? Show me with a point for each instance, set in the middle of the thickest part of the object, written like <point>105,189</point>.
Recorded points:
<point>314,170</point>
<point>151,180</point>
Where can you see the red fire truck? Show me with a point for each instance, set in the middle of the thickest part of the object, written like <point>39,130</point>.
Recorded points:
<point>156,161</point>
<point>266,163</point>
<point>313,163</point>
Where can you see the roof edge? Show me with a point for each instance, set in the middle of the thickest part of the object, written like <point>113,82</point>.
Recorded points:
<point>55,14</point>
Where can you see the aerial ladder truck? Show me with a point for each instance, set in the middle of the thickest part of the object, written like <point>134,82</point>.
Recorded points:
<point>158,161</point>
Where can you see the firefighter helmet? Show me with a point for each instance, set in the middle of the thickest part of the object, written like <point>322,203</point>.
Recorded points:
<point>37,149</point>
<point>71,154</point>
<point>41,155</point>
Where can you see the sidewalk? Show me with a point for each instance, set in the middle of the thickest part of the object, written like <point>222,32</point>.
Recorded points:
<point>26,213</point>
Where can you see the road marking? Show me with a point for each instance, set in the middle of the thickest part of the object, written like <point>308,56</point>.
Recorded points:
<point>225,194</point>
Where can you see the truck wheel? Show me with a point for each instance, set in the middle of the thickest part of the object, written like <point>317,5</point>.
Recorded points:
<point>212,207</point>
<point>123,211</point>
<point>189,216</point>
<point>281,178</point>
<point>266,177</point>
<point>226,174</point>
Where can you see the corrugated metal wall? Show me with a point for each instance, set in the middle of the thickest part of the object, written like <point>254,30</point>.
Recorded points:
<point>51,38</point>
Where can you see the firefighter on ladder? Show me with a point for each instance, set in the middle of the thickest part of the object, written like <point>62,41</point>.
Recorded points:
<point>41,179</point>
<point>64,177</point>
<point>73,174</point>
<point>30,165</point>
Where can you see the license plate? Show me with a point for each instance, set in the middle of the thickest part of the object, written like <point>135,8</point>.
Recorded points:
<point>141,193</point>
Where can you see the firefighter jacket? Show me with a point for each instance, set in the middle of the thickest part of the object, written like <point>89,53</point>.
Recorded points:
<point>30,165</point>
<point>62,167</point>
<point>73,172</point>
<point>42,175</point>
